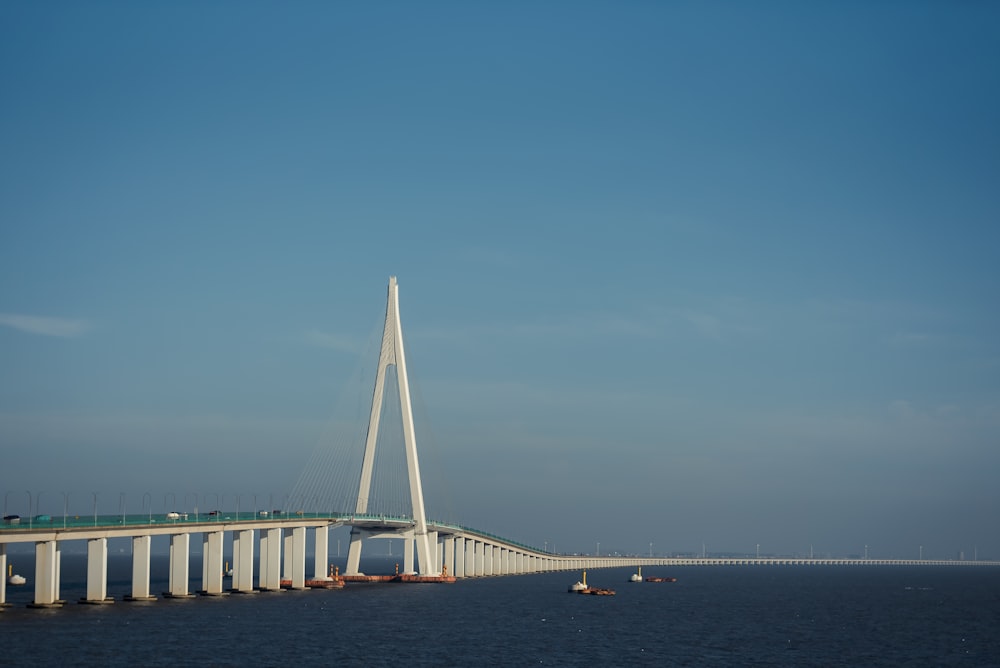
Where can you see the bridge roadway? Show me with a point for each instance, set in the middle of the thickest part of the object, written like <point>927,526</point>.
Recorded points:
<point>281,540</point>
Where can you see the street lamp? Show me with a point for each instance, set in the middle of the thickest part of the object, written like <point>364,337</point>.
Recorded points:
<point>598,548</point>
<point>650,550</point>
<point>65,507</point>
<point>758,550</point>
<point>95,509</point>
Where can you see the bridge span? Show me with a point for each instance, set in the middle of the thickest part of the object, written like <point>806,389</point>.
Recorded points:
<point>277,542</point>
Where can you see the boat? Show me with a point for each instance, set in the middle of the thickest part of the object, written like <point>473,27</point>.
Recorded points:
<point>636,577</point>
<point>583,588</point>
<point>652,579</point>
<point>14,579</point>
<point>579,586</point>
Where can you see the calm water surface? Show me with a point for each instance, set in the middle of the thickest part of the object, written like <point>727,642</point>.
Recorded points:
<point>713,616</point>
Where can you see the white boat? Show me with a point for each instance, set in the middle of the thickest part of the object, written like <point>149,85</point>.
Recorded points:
<point>13,579</point>
<point>580,586</point>
<point>636,577</point>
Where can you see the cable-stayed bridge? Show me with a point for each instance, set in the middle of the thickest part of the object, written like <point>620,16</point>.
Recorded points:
<point>269,547</point>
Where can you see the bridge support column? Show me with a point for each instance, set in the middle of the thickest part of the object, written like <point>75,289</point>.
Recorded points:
<point>498,560</point>
<point>46,574</point>
<point>487,559</point>
<point>408,544</point>
<point>470,558</point>
<point>97,571</point>
<point>480,558</point>
<point>287,550</point>
<point>435,550</point>
<point>180,548</point>
<point>448,547</point>
<point>3,575</point>
<point>270,559</point>
<point>354,553</point>
<point>243,561</point>
<point>211,562</point>
<point>297,556</point>
<point>140,569</point>
<point>459,557</point>
<point>321,553</point>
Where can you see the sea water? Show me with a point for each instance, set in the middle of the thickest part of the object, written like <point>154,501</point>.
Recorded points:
<point>712,616</point>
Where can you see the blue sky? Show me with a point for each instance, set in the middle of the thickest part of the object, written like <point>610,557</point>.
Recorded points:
<point>680,273</point>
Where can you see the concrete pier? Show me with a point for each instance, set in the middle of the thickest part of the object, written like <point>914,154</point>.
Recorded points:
<point>47,564</point>
<point>180,550</point>
<point>140,569</point>
<point>97,572</point>
<point>211,563</point>
<point>321,551</point>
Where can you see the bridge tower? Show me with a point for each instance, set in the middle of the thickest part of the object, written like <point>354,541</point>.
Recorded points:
<point>392,354</point>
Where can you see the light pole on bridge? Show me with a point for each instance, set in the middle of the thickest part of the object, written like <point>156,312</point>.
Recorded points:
<point>758,550</point>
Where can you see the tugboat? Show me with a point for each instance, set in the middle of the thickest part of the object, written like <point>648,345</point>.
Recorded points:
<point>13,579</point>
<point>583,588</point>
<point>579,586</point>
<point>652,579</point>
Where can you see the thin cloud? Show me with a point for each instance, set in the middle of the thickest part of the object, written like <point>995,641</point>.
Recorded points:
<point>707,324</point>
<point>35,324</point>
<point>321,339</point>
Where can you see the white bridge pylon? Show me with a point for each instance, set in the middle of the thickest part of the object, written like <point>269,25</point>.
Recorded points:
<point>392,354</point>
